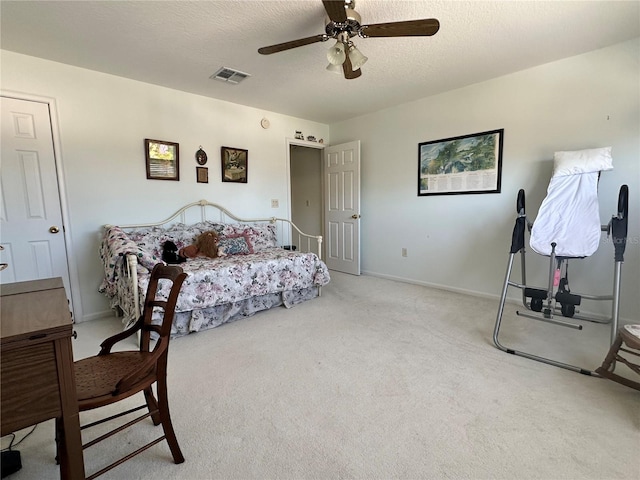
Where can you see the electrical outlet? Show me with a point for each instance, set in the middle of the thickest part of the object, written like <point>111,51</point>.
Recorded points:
<point>275,203</point>
<point>404,252</point>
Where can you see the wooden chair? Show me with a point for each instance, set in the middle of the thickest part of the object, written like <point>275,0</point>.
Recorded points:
<point>628,338</point>
<point>110,377</point>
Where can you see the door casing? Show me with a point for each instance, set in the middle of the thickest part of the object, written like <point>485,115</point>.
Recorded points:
<point>341,173</point>
<point>353,266</point>
<point>302,143</point>
<point>75,304</point>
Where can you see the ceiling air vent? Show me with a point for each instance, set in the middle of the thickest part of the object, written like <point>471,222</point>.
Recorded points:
<point>229,75</point>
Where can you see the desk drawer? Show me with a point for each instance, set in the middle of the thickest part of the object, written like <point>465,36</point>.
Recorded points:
<point>29,386</point>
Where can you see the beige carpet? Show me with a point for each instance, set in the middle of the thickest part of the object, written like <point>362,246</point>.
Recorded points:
<point>376,380</point>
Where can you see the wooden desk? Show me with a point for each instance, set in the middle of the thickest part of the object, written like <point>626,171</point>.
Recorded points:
<point>36,365</point>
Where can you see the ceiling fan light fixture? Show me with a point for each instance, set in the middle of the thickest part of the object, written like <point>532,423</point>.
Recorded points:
<point>342,23</point>
<point>336,54</point>
<point>335,68</point>
<point>356,57</point>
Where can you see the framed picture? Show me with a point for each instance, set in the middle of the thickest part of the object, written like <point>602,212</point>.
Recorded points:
<point>202,174</point>
<point>234,164</point>
<point>465,164</point>
<point>162,160</point>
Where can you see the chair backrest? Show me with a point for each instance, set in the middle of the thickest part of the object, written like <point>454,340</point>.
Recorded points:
<point>163,278</point>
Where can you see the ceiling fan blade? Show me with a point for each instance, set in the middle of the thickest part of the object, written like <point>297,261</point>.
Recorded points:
<point>348,70</point>
<point>410,28</point>
<point>292,44</point>
<point>335,10</point>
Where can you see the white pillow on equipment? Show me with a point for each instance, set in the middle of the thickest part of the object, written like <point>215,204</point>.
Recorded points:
<point>582,161</point>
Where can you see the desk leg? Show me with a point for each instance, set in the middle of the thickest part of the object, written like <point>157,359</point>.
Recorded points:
<point>70,444</point>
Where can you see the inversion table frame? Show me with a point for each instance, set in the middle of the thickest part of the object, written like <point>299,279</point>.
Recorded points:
<point>542,303</point>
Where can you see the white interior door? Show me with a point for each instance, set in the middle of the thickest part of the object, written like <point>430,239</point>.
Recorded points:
<point>342,207</point>
<point>31,234</point>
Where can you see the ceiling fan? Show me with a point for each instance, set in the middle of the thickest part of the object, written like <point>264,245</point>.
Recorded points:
<point>342,25</point>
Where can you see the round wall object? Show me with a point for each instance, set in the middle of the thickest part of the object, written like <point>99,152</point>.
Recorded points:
<point>201,156</point>
<point>265,123</point>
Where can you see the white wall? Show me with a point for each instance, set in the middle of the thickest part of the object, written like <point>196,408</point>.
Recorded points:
<point>103,121</point>
<point>458,242</point>
<point>461,241</point>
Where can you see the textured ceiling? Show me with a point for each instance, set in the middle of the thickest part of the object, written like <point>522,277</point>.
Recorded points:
<point>180,44</point>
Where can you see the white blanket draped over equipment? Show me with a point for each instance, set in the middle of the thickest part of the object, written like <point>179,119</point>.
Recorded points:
<point>570,215</point>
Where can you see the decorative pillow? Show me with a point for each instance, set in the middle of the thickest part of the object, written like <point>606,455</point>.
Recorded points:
<point>184,235</point>
<point>263,236</point>
<point>153,242</point>
<point>582,161</point>
<point>180,234</point>
<point>260,235</point>
<point>139,235</point>
<point>234,245</point>
<point>206,226</point>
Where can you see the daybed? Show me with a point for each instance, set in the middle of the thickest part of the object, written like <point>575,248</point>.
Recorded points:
<point>272,263</point>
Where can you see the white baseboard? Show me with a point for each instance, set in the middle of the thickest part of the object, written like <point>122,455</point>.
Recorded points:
<point>97,316</point>
<point>433,285</point>
<point>474,293</point>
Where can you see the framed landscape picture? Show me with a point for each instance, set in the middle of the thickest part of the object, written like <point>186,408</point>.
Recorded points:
<point>162,160</point>
<point>464,164</point>
<point>234,164</point>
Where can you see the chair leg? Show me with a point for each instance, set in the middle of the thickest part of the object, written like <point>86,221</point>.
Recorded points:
<point>152,404</point>
<point>165,418</point>
<point>619,379</point>
<point>608,364</point>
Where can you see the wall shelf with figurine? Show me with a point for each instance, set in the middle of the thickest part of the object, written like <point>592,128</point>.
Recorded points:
<point>317,144</point>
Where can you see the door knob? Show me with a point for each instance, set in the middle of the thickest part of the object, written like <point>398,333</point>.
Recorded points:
<point>355,216</point>
<point>54,229</point>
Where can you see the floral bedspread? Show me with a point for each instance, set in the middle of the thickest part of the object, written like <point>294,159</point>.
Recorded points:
<point>115,245</point>
<point>211,282</point>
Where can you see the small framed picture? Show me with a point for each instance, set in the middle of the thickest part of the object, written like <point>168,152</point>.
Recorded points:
<point>234,164</point>
<point>202,174</point>
<point>162,160</point>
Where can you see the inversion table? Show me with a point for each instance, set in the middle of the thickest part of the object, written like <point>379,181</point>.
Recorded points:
<point>567,227</point>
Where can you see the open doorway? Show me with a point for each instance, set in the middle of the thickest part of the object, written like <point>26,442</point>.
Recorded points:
<point>324,198</point>
<point>305,182</point>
